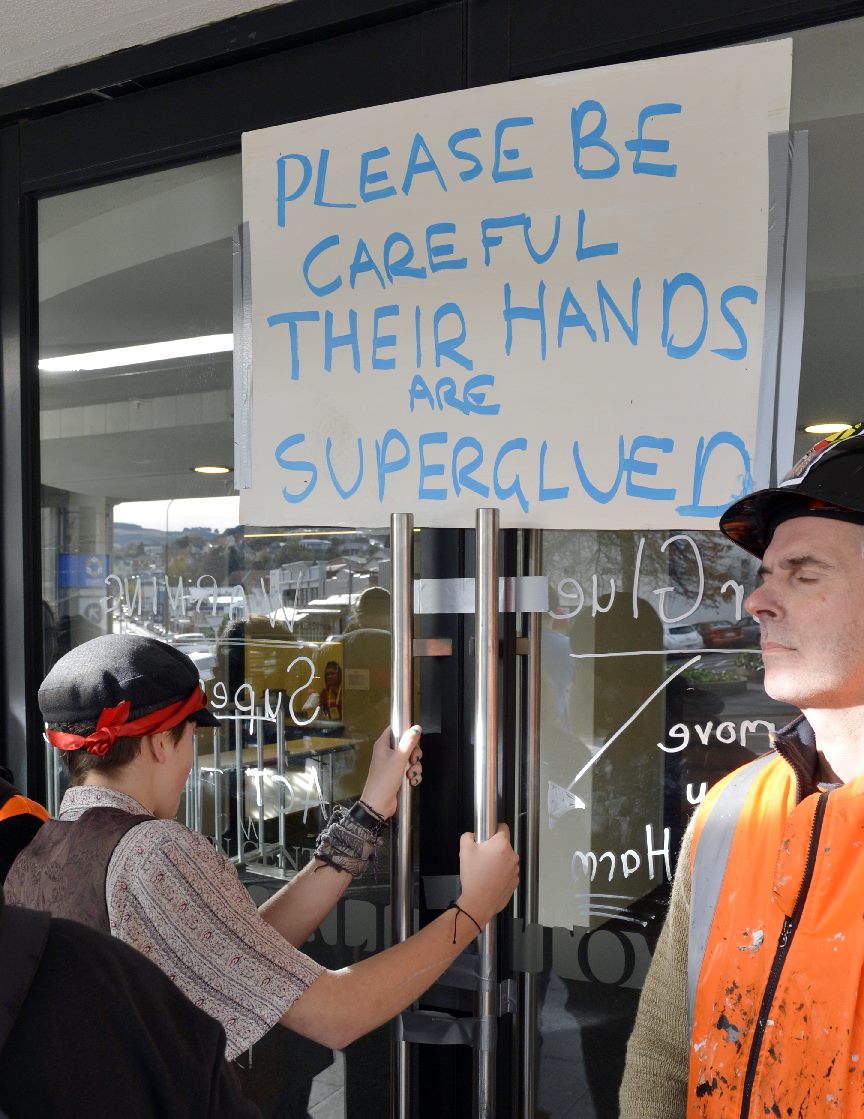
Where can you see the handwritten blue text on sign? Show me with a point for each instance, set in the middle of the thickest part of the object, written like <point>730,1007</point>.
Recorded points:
<point>547,295</point>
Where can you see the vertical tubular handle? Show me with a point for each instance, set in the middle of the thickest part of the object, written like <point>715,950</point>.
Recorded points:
<point>259,779</point>
<point>217,789</point>
<point>280,772</point>
<point>529,854</point>
<point>50,773</point>
<point>486,786</point>
<point>401,718</point>
<point>238,788</point>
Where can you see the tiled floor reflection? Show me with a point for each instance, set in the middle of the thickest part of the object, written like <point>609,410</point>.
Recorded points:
<point>562,1089</point>
<point>327,1095</point>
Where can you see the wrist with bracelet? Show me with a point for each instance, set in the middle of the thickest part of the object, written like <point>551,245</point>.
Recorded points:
<point>366,816</point>
<point>351,839</point>
<point>455,905</point>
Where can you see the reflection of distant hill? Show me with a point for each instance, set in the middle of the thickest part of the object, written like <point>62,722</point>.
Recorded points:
<point>125,534</point>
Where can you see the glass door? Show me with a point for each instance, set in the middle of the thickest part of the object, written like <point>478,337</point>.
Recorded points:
<point>649,692</point>
<point>288,625</point>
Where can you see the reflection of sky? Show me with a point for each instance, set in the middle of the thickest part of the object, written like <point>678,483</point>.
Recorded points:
<point>181,512</point>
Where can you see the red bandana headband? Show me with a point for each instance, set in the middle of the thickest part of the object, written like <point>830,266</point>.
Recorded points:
<point>112,725</point>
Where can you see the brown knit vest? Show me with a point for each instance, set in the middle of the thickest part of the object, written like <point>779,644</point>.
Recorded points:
<point>62,870</point>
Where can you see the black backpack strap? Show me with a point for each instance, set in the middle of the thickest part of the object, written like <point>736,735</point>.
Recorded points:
<point>23,934</point>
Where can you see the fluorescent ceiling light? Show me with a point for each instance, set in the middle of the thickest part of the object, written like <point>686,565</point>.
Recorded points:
<point>138,355</point>
<point>212,469</point>
<point>825,429</point>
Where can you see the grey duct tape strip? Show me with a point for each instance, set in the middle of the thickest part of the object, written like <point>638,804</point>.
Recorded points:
<point>521,594</point>
<point>464,974</point>
<point>778,200</point>
<point>428,1027</point>
<point>432,1028</point>
<point>528,951</point>
<point>242,274</point>
<point>794,287</point>
<point>709,867</point>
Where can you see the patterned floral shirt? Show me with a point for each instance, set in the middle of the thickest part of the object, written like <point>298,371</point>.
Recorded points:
<point>172,896</point>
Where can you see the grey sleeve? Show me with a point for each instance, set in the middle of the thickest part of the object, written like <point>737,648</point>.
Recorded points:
<point>655,1074</point>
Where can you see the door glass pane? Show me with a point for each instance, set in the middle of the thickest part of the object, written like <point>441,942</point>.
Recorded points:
<point>289,626</point>
<point>650,691</point>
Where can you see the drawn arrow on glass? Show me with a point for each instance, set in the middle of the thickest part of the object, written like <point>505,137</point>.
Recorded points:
<point>561,800</point>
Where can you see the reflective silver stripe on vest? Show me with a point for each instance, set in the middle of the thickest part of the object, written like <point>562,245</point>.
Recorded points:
<point>709,866</point>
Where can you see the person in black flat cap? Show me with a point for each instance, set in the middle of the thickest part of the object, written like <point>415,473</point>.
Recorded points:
<point>123,710</point>
<point>753,1001</point>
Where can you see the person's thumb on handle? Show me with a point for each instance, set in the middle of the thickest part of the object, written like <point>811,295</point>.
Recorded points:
<point>409,741</point>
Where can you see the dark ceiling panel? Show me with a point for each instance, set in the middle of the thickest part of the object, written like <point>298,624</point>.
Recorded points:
<point>207,113</point>
<point>224,43</point>
<point>548,36</point>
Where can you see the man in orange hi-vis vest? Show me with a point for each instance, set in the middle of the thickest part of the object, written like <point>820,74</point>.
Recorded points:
<point>754,1002</point>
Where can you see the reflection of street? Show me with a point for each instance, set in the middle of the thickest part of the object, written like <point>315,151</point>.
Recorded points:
<point>719,721</point>
<point>124,625</point>
<point>753,703</point>
<point>733,680</point>
<point>197,646</point>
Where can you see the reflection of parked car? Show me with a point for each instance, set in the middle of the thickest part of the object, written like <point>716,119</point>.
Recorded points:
<point>750,633</point>
<point>187,641</point>
<point>721,634</point>
<point>199,648</point>
<point>681,637</point>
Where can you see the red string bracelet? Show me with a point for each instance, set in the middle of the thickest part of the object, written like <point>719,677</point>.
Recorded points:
<point>459,909</point>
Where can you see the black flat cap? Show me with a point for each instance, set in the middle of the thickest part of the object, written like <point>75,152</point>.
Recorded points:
<point>107,670</point>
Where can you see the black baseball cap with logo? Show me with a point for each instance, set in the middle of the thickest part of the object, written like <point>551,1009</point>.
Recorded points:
<point>828,481</point>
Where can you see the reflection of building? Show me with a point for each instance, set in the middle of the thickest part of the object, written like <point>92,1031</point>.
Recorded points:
<point>294,584</point>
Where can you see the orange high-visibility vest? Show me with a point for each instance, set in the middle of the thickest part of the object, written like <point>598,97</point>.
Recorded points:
<point>18,805</point>
<point>778,1010</point>
<point>20,819</point>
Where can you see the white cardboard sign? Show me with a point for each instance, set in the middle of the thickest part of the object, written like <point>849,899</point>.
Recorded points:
<point>546,295</point>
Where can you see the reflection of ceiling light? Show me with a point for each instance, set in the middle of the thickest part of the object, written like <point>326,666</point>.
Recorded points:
<point>212,469</point>
<point>825,429</point>
<point>138,355</point>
